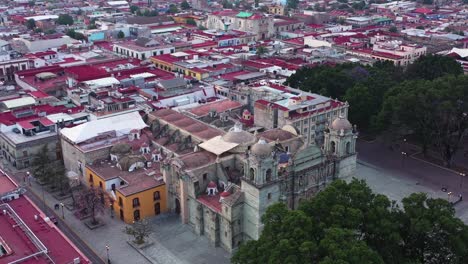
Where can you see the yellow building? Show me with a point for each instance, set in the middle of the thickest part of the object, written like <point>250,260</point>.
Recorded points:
<point>276,9</point>
<point>135,194</point>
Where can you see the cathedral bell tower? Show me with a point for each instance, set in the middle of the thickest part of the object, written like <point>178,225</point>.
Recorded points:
<point>260,185</point>
<point>340,143</point>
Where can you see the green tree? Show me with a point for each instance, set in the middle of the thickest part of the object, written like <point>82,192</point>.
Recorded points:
<point>41,165</point>
<point>120,35</point>
<point>393,29</point>
<point>434,234</point>
<point>65,19</point>
<point>75,35</point>
<point>59,178</point>
<point>173,9</point>
<point>134,9</point>
<point>348,223</point>
<point>191,21</point>
<point>93,200</point>
<point>292,4</point>
<point>227,4</point>
<point>430,67</point>
<point>261,50</point>
<point>436,111</point>
<point>31,23</point>
<point>185,5</point>
<point>140,230</point>
<point>32,3</point>
<point>325,80</point>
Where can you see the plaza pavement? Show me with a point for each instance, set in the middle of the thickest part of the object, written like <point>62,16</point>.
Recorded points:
<point>397,176</point>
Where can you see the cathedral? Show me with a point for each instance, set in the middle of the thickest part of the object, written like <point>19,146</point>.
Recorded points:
<point>223,187</point>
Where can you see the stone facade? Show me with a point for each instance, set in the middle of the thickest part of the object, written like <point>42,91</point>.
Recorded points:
<point>224,186</point>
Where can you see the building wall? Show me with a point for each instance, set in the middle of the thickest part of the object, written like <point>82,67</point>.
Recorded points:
<point>146,199</point>
<point>22,155</point>
<point>142,55</point>
<point>147,203</point>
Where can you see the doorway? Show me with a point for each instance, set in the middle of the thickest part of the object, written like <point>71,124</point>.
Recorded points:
<point>177,206</point>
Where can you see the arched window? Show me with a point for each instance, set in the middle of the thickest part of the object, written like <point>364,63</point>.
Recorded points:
<point>156,195</point>
<point>348,148</point>
<point>136,202</point>
<point>332,147</point>
<point>252,174</point>
<point>91,178</point>
<point>268,175</point>
<point>136,215</point>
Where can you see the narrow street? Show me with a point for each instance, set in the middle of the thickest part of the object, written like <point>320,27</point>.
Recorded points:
<point>92,256</point>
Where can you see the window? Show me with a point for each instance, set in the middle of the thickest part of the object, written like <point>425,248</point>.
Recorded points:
<point>269,196</point>
<point>268,175</point>
<point>113,187</point>
<point>136,215</point>
<point>100,184</point>
<point>156,195</point>
<point>120,202</point>
<point>205,176</point>
<point>136,202</point>
<point>91,178</point>
<point>252,174</point>
<point>122,183</point>
<point>25,153</point>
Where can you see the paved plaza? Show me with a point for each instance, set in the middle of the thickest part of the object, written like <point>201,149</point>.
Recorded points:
<point>389,173</point>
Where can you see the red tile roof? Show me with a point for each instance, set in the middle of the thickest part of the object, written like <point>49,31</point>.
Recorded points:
<point>86,72</point>
<point>219,106</point>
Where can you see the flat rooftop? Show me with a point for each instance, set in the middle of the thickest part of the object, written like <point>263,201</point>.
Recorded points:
<point>20,138</point>
<point>24,236</point>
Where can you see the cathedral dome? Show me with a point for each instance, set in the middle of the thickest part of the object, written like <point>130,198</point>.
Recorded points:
<point>239,136</point>
<point>341,123</point>
<point>120,149</point>
<point>261,149</point>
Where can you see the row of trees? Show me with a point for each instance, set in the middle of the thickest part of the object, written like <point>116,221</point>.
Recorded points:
<point>384,96</point>
<point>348,223</point>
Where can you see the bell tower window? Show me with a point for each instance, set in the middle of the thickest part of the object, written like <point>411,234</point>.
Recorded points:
<point>252,174</point>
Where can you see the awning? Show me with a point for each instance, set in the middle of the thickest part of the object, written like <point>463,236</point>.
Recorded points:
<point>217,145</point>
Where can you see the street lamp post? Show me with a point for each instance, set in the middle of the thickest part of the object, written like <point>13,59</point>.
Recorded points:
<point>448,196</point>
<point>462,175</point>
<point>107,250</point>
<point>111,205</point>
<point>63,212</point>
<point>403,156</point>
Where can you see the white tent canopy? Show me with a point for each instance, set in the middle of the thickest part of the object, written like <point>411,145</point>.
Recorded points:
<point>122,124</point>
<point>217,145</point>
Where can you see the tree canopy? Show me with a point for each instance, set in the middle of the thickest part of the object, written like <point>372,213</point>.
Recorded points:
<point>364,87</point>
<point>436,111</point>
<point>31,23</point>
<point>431,66</point>
<point>173,9</point>
<point>65,19</point>
<point>121,34</point>
<point>348,223</point>
<point>185,5</point>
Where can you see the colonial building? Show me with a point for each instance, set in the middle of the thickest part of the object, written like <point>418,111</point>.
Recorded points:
<point>132,178</point>
<point>223,186</point>
<point>259,24</point>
